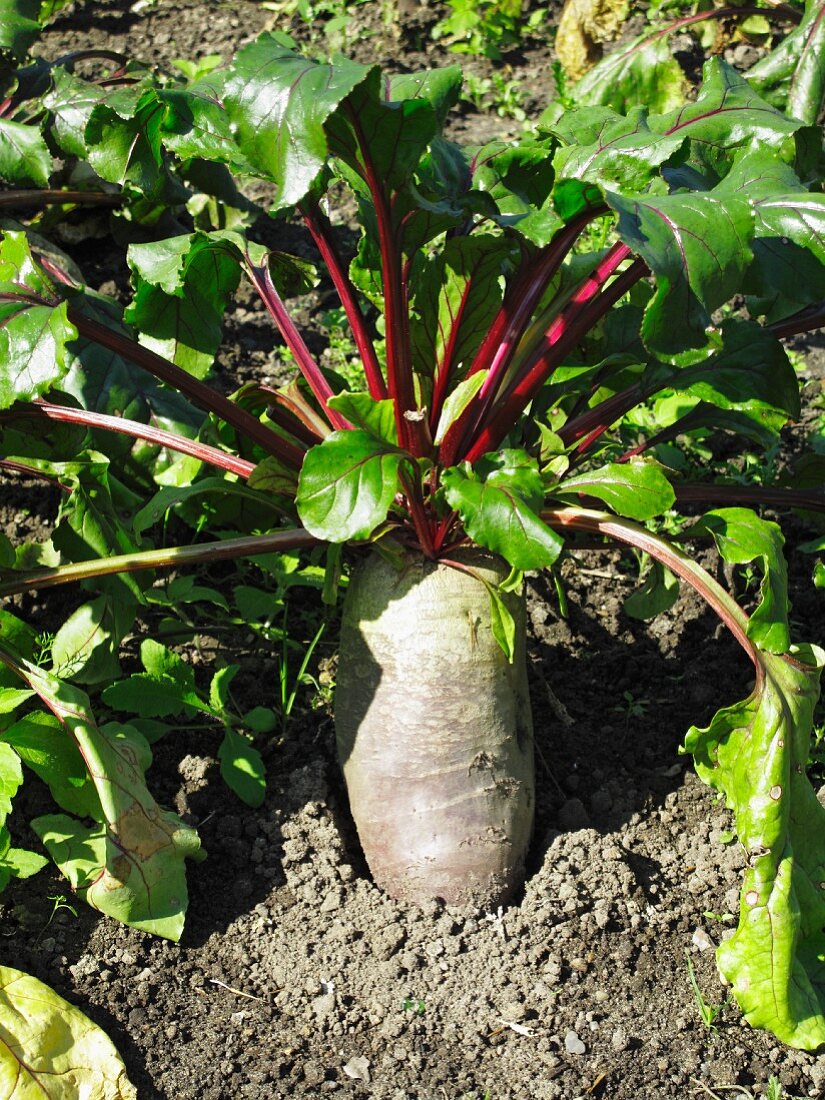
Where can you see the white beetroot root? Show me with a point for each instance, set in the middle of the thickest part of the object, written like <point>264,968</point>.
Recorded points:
<point>434,731</point>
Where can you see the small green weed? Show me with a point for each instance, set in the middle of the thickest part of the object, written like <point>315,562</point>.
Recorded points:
<point>708,1012</point>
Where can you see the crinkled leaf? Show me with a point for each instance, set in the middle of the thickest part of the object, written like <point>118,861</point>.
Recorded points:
<point>605,148</point>
<point>384,137</point>
<point>123,139</point>
<point>457,401</point>
<point>181,315</point>
<point>242,768</point>
<point>457,295</point>
<point>170,496</point>
<point>699,247</point>
<point>33,338</point>
<point>642,71</point>
<point>752,372</point>
<point>85,648</point>
<point>347,485</point>
<point>807,87</point>
<point>70,102</point>
<point>375,417</point>
<point>52,754</point>
<point>140,877</point>
<point>195,122</point>
<point>638,489</point>
<point>755,753</point>
<point>49,1048</point>
<point>728,116</point>
<point>24,156</point>
<point>658,592</point>
<point>742,537</point>
<point>278,103</point>
<point>518,178</point>
<point>19,26</point>
<point>788,270</point>
<point>515,470</point>
<point>495,516</point>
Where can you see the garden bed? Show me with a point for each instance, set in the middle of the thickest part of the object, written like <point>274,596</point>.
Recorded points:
<point>295,976</point>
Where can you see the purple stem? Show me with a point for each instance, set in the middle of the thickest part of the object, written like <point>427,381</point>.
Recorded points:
<point>158,436</point>
<point>262,280</point>
<point>321,231</point>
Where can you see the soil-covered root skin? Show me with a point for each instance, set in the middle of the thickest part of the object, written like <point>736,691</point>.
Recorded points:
<point>435,732</point>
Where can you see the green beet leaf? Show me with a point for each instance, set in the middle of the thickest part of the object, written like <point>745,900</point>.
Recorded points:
<point>752,373</point>
<point>755,753</point>
<point>85,648</point>
<point>371,134</point>
<point>375,417</point>
<point>699,247</point>
<point>642,71</point>
<point>195,122</point>
<point>279,103</point>
<point>242,768</point>
<point>496,516</point>
<point>70,102</point>
<point>457,295</point>
<point>123,139</point>
<point>742,537</point>
<point>46,747</point>
<point>138,851</point>
<point>49,1048</point>
<point>807,87</point>
<point>616,152</point>
<point>33,338</point>
<point>658,592</point>
<point>90,526</point>
<point>19,26</point>
<point>638,489</point>
<point>183,285</point>
<point>24,156</point>
<point>11,776</point>
<point>347,485</point>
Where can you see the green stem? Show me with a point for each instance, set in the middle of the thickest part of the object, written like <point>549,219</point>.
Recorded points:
<point>177,556</point>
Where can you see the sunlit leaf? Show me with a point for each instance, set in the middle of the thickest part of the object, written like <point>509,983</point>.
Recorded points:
<point>49,1048</point>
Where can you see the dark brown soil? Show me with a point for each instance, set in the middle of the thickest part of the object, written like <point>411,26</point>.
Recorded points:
<point>296,977</point>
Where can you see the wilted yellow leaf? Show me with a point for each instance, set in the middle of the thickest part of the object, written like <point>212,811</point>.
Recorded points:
<point>583,27</point>
<point>49,1049</point>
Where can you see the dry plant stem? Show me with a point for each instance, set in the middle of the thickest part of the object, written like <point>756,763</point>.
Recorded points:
<point>177,557</point>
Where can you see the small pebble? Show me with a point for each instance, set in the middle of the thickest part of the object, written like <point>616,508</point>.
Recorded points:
<point>573,1044</point>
